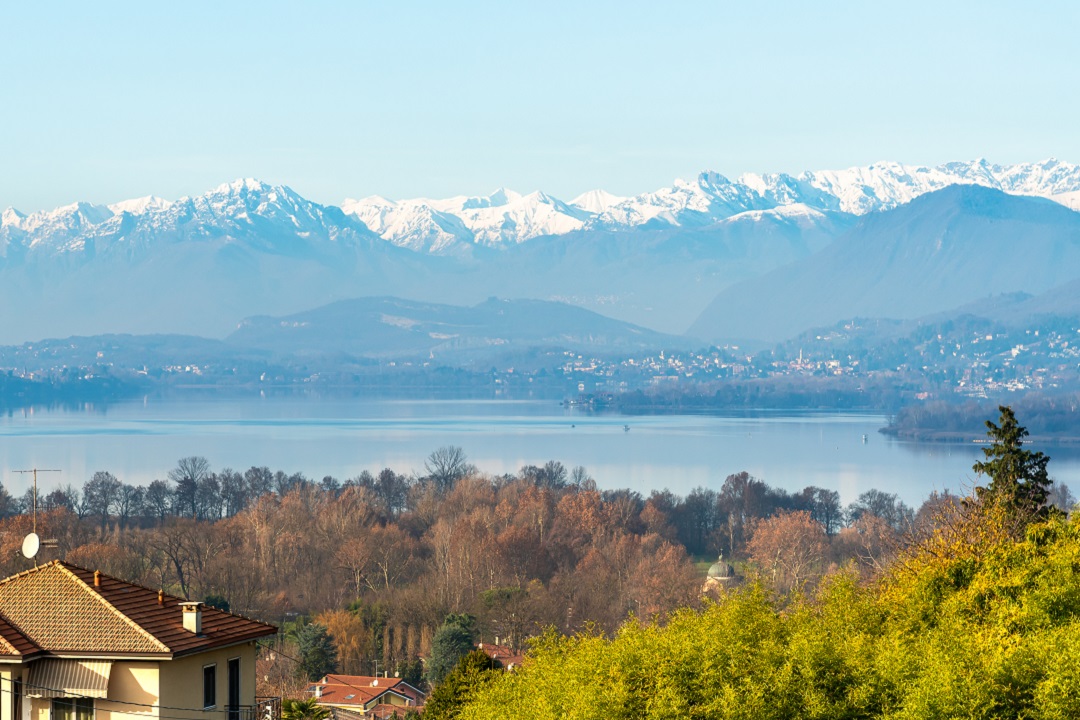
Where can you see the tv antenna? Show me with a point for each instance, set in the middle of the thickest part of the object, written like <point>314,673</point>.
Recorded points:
<point>32,543</point>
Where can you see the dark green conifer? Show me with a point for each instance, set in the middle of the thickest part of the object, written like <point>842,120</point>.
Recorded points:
<point>473,671</point>
<point>1018,477</point>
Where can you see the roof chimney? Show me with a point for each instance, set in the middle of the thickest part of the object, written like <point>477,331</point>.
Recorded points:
<point>318,691</point>
<point>192,616</point>
<point>160,597</point>
<point>97,578</point>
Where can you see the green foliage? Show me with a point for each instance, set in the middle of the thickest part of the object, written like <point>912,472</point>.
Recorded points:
<point>217,601</point>
<point>412,672</point>
<point>303,710</point>
<point>1018,477</point>
<point>990,633</point>
<point>472,672</point>
<point>317,654</point>
<point>453,640</point>
<point>375,617</point>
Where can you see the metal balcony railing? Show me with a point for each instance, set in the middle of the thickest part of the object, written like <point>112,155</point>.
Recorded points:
<point>265,708</point>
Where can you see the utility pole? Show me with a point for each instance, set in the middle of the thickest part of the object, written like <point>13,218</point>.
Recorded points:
<point>35,471</point>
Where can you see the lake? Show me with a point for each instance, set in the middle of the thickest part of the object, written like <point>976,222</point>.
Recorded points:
<point>141,441</point>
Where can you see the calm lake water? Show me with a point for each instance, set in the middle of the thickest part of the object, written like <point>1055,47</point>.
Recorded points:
<point>141,441</point>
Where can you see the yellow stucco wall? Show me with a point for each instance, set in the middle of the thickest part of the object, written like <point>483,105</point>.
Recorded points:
<point>7,686</point>
<point>132,682</point>
<point>181,681</point>
<point>174,684</point>
<point>40,708</point>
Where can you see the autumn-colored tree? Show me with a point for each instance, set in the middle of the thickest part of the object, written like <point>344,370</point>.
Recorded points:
<point>788,549</point>
<point>663,579</point>
<point>870,542</point>
<point>354,645</point>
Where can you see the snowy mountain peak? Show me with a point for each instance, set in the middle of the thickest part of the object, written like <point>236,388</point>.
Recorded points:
<point>710,178</point>
<point>76,214</point>
<point>241,185</point>
<point>502,196</point>
<point>11,217</point>
<point>139,206</point>
<point>376,200</point>
<point>596,201</point>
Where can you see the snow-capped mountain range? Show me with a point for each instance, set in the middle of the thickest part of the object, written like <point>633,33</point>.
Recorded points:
<point>254,212</point>
<point>270,218</point>
<point>508,217</point>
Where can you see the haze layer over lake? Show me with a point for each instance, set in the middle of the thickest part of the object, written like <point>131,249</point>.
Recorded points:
<point>141,441</point>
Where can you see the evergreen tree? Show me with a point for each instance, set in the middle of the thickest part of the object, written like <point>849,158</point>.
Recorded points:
<point>1018,477</point>
<point>317,654</point>
<point>8,505</point>
<point>412,672</point>
<point>473,671</point>
<point>453,640</point>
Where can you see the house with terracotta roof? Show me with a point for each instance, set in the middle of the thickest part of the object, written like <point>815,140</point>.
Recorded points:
<point>366,696</point>
<point>505,657</point>
<point>77,644</point>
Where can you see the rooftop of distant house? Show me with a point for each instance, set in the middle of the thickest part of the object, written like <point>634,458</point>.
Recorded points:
<point>503,655</point>
<point>360,690</point>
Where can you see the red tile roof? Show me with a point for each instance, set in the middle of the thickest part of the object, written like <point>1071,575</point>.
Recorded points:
<point>333,694</point>
<point>371,681</point>
<point>59,607</point>
<point>13,643</point>
<point>502,655</point>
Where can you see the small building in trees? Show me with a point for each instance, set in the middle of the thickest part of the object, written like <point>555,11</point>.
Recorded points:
<point>77,644</point>
<point>504,656</point>
<point>364,696</point>
<point>721,575</point>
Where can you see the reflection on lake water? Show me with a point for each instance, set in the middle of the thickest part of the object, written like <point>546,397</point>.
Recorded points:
<point>141,441</point>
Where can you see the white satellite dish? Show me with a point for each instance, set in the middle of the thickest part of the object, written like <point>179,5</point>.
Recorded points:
<point>30,546</point>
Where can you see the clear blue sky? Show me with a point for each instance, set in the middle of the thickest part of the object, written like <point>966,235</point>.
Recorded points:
<point>105,101</point>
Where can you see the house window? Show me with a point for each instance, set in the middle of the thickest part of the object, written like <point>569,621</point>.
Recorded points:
<point>209,686</point>
<point>73,709</point>
<point>233,700</point>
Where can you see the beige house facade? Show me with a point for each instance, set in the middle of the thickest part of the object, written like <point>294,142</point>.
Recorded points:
<point>77,644</point>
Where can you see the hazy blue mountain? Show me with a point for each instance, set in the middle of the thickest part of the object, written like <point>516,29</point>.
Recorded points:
<point>1063,300</point>
<point>656,277</point>
<point>940,251</point>
<point>364,328</point>
<point>193,266</point>
<point>389,327</point>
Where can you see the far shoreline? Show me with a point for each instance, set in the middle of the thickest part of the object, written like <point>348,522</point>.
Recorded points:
<point>952,437</point>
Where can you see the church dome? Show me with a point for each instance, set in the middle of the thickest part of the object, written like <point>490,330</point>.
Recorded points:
<point>720,570</point>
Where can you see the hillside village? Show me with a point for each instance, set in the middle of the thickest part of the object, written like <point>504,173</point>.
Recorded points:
<point>869,364</point>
